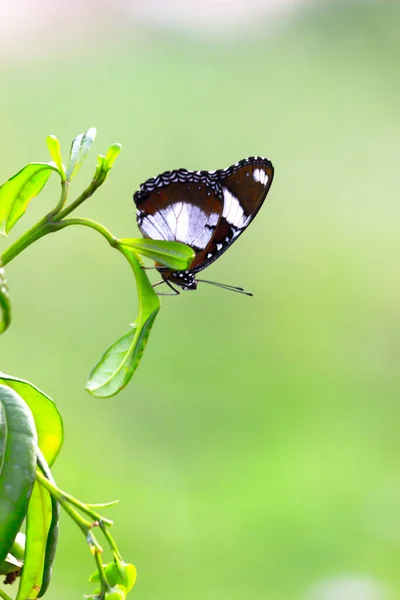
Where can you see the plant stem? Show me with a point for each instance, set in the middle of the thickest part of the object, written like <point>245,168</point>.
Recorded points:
<point>84,196</point>
<point>110,541</point>
<point>65,500</point>
<point>41,228</point>
<point>111,239</point>
<point>48,225</point>
<point>60,494</point>
<point>4,595</point>
<point>100,568</point>
<point>62,200</point>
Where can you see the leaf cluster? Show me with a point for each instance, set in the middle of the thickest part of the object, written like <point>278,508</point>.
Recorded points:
<point>31,428</point>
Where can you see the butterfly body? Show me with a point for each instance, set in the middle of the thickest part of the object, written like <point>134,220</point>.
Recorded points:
<point>207,210</point>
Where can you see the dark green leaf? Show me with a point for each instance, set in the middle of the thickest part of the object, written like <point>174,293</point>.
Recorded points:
<point>53,145</point>
<point>48,420</point>
<point>170,254</point>
<point>18,191</point>
<point>18,466</point>
<point>5,305</point>
<point>116,367</point>
<point>79,150</point>
<point>37,527</point>
<point>52,535</point>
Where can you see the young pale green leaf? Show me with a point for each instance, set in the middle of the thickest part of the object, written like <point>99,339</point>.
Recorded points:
<point>18,465</point>
<point>18,191</point>
<point>53,145</point>
<point>170,254</point>
<point>109,374</point>
<point>79,150</point>
<point>112,154</point>
<point>116,367</point>
<point>105,163</point>
<point>38,522</point>
<point>5,305</point>
<point>49,425</point>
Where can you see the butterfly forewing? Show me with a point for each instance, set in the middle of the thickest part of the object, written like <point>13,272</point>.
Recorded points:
<point>180,206</point>
<point>244,187</point>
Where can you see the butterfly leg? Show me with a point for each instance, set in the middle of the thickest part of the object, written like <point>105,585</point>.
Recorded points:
<point>175,291</point>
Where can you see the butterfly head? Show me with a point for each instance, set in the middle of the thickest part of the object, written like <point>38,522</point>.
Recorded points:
<point>185,279</point>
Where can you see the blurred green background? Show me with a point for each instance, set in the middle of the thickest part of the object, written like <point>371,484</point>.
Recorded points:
<point>256,452</point>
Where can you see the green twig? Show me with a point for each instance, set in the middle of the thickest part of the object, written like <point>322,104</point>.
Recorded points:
<point>62,200</point>
<point>53,221</point>
<point>110,540</point>
<point>33,234</point>
<point>66,500</point>
<point>4,595</point>
<point>84,196</point>
<point>58,494</point>
<point>111,239</point>
<point>102,574</point>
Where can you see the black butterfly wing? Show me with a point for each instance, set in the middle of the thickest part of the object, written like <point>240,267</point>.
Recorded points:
<point>181,206</point>
<point>244,186</point>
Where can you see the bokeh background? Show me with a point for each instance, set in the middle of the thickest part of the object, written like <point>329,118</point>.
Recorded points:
<point>256,452</point>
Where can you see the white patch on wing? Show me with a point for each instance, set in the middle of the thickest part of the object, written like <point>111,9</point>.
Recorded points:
<point>177,217</point>
<point>233,212</point>
<point>213,219</point>
<point>181,222</point>
<point>156,229</point>
<point>260,176</point>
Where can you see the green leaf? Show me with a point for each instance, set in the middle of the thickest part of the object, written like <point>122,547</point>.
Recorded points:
<point>53,145</point>
<point>105,163</point>
<point>38,522</point>
<point>5,305</point>
<point>112,155</point>
<point>48,420</point>
<point>18,547</point>
<point>18,191</point>
<point>18,465</point>
<point>79,150</point>
<point>53,530</point>
<point>121,359</point>
<point>174,255</point>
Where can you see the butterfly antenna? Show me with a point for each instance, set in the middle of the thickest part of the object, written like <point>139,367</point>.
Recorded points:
<point>231,288</point>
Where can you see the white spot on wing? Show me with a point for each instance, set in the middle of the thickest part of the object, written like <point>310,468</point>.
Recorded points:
<point>233,212</point>
<point>213,219</point>
<point>260,176</point>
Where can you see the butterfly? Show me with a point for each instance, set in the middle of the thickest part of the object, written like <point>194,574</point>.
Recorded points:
<point>207,210</point>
